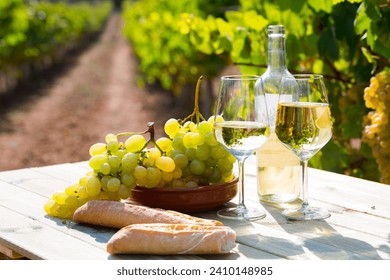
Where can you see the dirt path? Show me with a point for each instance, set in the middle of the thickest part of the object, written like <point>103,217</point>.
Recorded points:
<point>98,95</point>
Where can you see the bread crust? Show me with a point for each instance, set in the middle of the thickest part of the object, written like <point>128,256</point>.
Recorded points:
<point>118,215</point>
<point>167,239</point>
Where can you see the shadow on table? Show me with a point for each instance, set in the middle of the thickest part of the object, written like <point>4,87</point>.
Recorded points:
<point>99,233</point>
<point>256,244</point>
<point>319,238</point>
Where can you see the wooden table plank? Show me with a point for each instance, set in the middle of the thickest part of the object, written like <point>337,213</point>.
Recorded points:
<point>30,205</point>
<point>356,230</point>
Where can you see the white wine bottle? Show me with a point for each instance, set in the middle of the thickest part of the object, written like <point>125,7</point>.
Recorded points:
<point>278,171</point>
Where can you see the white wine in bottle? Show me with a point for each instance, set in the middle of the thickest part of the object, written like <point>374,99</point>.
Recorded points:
<point>278,169</point>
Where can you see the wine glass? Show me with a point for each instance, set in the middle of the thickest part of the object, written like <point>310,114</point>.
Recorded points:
<point>304,126</point>
<point>241,126</point>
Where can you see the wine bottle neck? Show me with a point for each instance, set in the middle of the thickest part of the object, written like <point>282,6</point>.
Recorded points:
<point>276,52</point>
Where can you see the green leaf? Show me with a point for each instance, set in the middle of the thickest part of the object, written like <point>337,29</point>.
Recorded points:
<point>286,5</point>
<point>321,5</point>
<point>362,21</point>
<point>327,44</point>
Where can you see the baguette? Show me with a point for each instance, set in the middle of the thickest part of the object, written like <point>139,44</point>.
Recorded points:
<point>118,214</point>
<point>167,239</point>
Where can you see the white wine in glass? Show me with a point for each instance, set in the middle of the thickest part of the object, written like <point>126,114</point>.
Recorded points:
<point>241,126</point>
<point>304,125</point>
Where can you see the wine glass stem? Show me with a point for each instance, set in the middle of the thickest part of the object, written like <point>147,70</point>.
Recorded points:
<point>304,182</point>
<point>241,183</point>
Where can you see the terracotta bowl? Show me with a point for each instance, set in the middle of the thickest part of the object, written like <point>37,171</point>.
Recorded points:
<point>186,200</point>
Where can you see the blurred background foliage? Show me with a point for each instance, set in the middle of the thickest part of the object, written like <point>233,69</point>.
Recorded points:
<point>348,41</point>
<point>35,34</point>
<point>176,41</point>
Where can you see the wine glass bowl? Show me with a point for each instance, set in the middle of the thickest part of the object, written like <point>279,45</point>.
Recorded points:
<point>304,126</point>
<point>241,126</point>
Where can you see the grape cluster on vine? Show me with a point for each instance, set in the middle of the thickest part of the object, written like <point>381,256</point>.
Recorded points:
<point>377,131</point>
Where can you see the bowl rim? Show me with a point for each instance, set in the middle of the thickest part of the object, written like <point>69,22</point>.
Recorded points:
<point>183,190</point>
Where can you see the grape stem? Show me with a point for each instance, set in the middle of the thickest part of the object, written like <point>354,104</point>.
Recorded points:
<point>196,113</point>
<point>150,130</point>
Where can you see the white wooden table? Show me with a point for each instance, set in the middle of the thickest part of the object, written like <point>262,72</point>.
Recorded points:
<point>359,226</point>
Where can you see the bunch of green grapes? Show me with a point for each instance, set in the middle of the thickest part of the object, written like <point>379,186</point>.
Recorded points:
<point>377,127</point>
<point>189,157</point>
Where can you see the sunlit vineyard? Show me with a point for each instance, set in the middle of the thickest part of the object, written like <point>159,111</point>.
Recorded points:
<point>175,42</point>
<point>345,41</point>
<point>35,34</point>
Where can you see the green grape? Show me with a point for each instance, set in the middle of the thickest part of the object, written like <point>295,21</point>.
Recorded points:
<point>174,153</point>
<point>153,177</point>
<point>50,207</point>
<point>218,152</point>
<point>172,127</point>
<point>104,181</point>
<point>114,161</point>
<point>215,176</point>
<point>59,197</point>
<point>111,137</point>
<point>224,165</point>
<point>198,139</point>
<point>63,212</point>
<point>148,161</point>
<point>185,172</point>
<point>177,143</point>
<point>178,183</point>
<point>135,143</point>
<point>191,184</point>
<point>95,162</point>
<point>97,149</point>
<point>218,118</point>
<point>188,140</point>
<point>190,154</point>
<point>113,146</point>
<point>124,192</point>
<point>167,176</point>
<point>231,158</point>
<point>177,173</point>
<point>205,127</point>
<point>154,153</point>
<point>211,162</point>
<point>113,184</point>
<point>197,167</point>
<point>105,168</point>
<point>129,161</point>
<point>140,172</point>
<point>83,181</point>
<point>210,139</point>
<point>93,186</point>
<point>128,180</point>
<point>165,144</point>
<point>82,192</point>
<point>189,126</point>
<point>142,181</point>
<point>120,153</point>
<point>203,152</point>
<point>72,189</point>
<point>71,201</point>
<point>181,160</point>
<point>165,163</point>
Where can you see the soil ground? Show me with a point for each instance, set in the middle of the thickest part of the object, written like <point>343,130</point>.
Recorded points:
<point>93,94</point>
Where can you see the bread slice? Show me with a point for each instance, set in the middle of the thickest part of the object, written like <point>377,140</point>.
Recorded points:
<point>118,214</point>
<point>167,239</point>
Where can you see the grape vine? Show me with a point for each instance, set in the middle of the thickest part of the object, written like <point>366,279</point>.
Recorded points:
<point>345,40</point>
<point>376,131</point>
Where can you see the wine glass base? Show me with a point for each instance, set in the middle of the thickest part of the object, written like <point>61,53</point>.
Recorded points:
<point>306,214</point>
<point>241,213</point>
